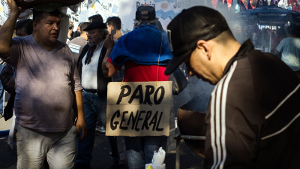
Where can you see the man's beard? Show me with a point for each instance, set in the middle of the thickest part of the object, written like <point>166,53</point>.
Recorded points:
<point>91,44</point>
<point>97,40</point>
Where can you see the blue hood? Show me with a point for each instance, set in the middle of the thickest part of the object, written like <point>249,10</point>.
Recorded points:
<point>142,46</point>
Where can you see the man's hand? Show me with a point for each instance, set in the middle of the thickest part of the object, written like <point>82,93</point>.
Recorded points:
<point>80,125</point>
<point>14,9</point>
<point>7,30</point>
<point>109,42</point>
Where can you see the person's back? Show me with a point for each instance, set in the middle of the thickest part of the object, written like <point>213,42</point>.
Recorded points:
<point>290,52</point>
<point>152,53</point>
<point>290,49</point>
<point>145,52</point>
<point>76,45</point>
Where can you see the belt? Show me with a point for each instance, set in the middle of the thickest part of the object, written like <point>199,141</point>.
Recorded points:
<point>91,90</point>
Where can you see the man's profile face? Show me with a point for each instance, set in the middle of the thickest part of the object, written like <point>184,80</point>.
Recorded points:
<point>109,28</point>
<point>94,36</point>
<point>198,64</point>
<point>48,28</point>
<point>21,32</point>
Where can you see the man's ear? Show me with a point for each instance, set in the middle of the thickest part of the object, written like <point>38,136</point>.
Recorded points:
<point>34,24</point>
<point>204,47</point>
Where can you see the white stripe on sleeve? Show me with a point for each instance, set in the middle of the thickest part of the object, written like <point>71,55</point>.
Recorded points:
<point>281,103</point>
<point>218,116</point>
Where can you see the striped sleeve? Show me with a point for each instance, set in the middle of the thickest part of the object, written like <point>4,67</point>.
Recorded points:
<point>218,120</point>
<point>74,48</point>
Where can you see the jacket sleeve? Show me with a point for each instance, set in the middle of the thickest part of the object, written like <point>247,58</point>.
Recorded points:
<point>231,138</point>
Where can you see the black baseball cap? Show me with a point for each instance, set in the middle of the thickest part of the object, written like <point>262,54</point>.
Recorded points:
<point>95,25</point>
<point>145,13</point>
<point>190,26</point>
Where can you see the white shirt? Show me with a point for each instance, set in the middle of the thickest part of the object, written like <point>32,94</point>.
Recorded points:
<point>89,71</point>
<point>290,52</point>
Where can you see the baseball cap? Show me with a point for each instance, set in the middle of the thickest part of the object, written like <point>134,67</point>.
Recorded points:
<point>190,26</point>
<point>145,13</point>
<point>95,25</point>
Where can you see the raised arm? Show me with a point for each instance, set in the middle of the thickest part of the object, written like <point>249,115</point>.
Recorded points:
<point>7,30</point>
<point>108,68</point>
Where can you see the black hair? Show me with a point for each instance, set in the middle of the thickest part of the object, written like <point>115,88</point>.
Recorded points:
<point>281,32</point>
<point>96,17</point>
<point>224,36</point>
<point>293,30</point>
<point>25,23</point>
<point>114,21</point>
<point>39,15</point>
<point>83,25</point>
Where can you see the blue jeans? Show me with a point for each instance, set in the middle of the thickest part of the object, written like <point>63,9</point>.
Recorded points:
<point>139,150</point>
<point>93,106</point>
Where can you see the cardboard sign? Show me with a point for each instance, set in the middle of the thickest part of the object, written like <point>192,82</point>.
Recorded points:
<point>138,108</point>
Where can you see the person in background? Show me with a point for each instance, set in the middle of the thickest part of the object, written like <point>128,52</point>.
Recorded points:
<point>247,33</point>
<point>76,45</point>
<point>112,23</point>
<point>96,17</point>
<point>48,90</point>
<point>77,32</point>
<point>253,117</point>
<point>140,55</point>
<point>78,28</point>
<point>70,32</point>
<point>239,34</point>
<point>289,48</point>
<point>94,89</point>
<point>115,23</point>
<point>280,34</point>
<point>24,27</point>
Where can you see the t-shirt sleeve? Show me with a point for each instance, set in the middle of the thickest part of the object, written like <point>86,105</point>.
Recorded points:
<point>15,53</point>
<point>280,46</point>
<point>76,77</point>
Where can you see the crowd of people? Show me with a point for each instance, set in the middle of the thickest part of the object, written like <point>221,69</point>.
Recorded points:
<point>59,89</point>
<point>261,37</point>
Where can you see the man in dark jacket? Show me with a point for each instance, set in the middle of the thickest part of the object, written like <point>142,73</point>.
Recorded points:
<point>253,115</point>
<point>94,89</point>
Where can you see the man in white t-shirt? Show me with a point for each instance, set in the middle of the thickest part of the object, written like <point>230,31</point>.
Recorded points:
<point>290,49</point>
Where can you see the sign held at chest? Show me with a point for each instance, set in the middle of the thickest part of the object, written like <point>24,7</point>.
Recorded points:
<point>138,108</point>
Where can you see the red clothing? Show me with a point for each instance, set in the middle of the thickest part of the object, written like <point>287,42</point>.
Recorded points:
<point>142,73</point>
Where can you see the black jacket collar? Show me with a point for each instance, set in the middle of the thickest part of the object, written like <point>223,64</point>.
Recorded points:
<point>244,50</point>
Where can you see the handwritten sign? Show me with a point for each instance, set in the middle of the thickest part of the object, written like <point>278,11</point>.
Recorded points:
<point>138,108</point>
